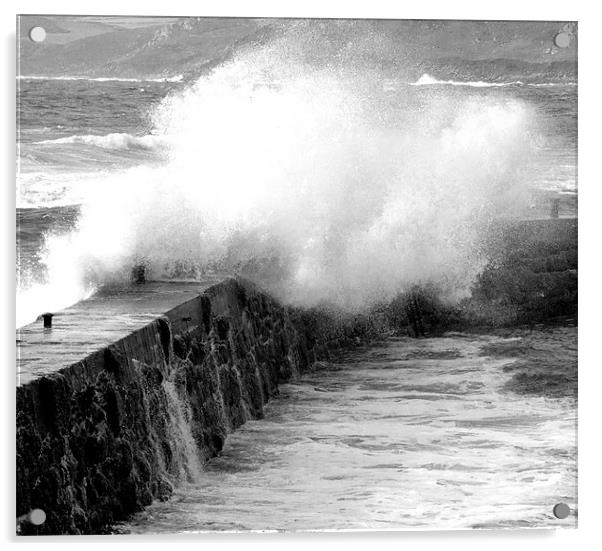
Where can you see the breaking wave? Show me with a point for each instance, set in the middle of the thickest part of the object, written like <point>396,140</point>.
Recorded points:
<point>428,80</point>
<point>306,177</point>
<point>111,141</point>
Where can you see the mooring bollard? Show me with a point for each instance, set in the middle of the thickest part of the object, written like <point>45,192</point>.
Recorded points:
<point>555,208</point>
<point>47,317</point>
<point>139,274</point>
<point>419,325</point>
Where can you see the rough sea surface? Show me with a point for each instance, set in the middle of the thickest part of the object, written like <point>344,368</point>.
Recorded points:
<point>414,434</point>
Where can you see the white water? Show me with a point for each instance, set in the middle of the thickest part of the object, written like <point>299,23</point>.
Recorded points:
<point>428,80</point>
<point>116,140</point>
<point>413,435</point>
<point>179,413</point>
<point>354,195</point>
<point>64,282</point>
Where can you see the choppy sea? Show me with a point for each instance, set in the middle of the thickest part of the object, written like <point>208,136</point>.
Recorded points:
<point>407,435</point>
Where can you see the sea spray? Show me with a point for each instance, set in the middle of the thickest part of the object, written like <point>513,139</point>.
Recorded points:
<point>289,164</point>
<point>62,284</point>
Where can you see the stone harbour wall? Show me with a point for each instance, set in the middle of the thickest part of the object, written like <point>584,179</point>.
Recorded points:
<point>104,437</point>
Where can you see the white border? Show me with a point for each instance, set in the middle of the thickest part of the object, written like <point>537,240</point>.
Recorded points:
<point>590,365</point>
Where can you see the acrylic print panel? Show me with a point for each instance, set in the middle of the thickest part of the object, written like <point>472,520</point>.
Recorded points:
<point>295,275</point>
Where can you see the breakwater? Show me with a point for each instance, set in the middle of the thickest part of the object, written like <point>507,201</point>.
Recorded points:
<point>531,277</point>
<point>103,437</point>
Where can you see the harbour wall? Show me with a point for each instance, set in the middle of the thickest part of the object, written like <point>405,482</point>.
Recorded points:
<point>102,438</point>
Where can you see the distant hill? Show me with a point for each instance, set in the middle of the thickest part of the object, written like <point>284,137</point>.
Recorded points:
<point>186,45</point>
<point>460,49</point>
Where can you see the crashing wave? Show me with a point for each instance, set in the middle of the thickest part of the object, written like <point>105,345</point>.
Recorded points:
<point>319,192</point>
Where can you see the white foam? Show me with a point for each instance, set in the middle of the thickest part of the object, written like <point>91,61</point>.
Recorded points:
<point>336,194</point>
<point>428,80</point>
<point>111,141</point>
<point>66,282</point>
<point>358,209</point>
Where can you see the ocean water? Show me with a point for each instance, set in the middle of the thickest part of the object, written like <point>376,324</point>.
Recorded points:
<point>110,171</point>
<point>71,132</point>
<point>415,434</point>
<point>71,136</point>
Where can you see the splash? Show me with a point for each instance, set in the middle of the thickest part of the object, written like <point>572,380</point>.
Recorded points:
<point>63,285</point>
<point>291,166</point>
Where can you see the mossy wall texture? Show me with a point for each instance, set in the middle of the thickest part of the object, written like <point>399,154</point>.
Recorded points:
<point>101,439</point>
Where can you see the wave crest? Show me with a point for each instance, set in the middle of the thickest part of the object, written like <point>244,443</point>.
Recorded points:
<point>117,141</point>
<point>428,80</point>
